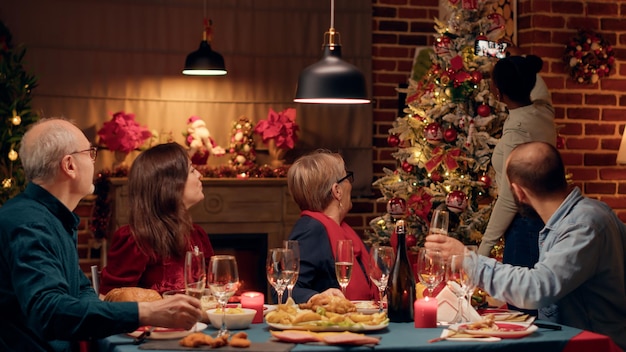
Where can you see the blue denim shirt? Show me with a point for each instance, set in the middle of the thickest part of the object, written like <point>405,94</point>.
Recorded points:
<point>579,279</point>
<point>45,299</point>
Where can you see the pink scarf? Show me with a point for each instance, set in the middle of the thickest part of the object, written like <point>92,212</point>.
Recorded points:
<point>359,287</point>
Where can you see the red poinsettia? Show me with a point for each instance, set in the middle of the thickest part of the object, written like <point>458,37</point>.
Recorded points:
<point>123,133</point>
<point>419,203</point>
<point>281,127</point>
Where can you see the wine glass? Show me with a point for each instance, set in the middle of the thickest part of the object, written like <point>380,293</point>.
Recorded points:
<point>431,268</point>
<point>295,248</point>
<point>195,273</point>
<point>458,281</point>
<point>280,269</point>
<point>382,259</point>
<point>223,282</point>
<point>439,222</point>
<point>344,258</point>
<point>471,285</point>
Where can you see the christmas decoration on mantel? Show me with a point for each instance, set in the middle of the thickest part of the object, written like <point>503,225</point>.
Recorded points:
<point>122,134</point>
<point>589,57</point>
<point>200,142</point>
<point>242,143</point>
<point>16,86</point>
<point>445,141</point>
<point>279,132</point>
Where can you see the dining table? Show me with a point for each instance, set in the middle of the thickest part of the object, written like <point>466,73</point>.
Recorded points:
<point>394,337</point>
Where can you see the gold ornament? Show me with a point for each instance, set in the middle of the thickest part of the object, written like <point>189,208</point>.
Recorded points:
<point>12,155</point>
<point>16,120</point>
<point>7,183</point>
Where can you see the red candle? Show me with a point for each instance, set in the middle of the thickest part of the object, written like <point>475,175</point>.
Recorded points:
<point>253,300</point>
<point>425,315</point>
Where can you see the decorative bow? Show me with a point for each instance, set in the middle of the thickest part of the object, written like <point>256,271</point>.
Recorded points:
<point>447,157</point>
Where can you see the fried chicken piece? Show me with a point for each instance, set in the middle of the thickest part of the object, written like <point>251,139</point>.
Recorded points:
<point>240,339</point>
<point>196,339</point>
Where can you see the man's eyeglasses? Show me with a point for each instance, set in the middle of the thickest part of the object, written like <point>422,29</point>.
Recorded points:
<point>349,176</point>
<point>93,152</point>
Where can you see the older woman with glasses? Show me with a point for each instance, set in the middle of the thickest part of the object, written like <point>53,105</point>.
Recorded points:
<point>321,187</point>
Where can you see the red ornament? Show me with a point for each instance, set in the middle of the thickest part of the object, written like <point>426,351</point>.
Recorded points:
<point>560,142</point>
<point>411,241</point>
<point>477,76</point>
<point>407,167</point>
<point>433,133</point>
<point>396,207</point>
<point>486,180</point>
<point>456,201</point>
<point>449,135</point>
<point>435,176</point>
<point>483,110</point>
<point>393,140</point>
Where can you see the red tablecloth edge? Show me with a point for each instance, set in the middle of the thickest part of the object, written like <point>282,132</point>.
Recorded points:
<point>591,341</point>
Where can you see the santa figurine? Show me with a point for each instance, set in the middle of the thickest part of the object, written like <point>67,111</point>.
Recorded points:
<point>200,143</point>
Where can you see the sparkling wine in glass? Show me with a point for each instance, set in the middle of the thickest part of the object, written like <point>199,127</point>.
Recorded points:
<point>382,259</point>
<point>280,268</point>
<point>195,273</point>
<point>223,282</point>
<point>459,283</point>
<point>431,268</point>
<point>439,222</point>
<point>295,248</point>
<point>344,258</point>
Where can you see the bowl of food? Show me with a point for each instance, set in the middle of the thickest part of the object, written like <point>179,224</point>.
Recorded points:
<point>236,318</point>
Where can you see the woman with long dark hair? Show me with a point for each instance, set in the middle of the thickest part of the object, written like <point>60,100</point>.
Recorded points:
<point>149,252</point>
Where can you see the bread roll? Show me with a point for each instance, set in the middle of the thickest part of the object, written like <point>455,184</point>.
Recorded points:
<point>132,294</point>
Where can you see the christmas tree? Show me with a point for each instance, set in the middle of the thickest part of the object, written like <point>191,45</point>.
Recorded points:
<point>15,99</point>
<point>446,139</point>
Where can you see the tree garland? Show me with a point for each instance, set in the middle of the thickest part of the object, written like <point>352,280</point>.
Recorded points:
<point>589,57</point>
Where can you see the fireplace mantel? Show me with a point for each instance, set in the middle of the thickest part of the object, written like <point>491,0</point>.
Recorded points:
<point>230,206</point>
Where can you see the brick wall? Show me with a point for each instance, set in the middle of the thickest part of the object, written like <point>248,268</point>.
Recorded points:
<point>593,116</point>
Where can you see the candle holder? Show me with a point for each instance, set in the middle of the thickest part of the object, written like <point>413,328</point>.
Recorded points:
<point>253,300</point>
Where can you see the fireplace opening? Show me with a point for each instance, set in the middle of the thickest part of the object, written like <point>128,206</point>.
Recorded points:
<point>250,250</point>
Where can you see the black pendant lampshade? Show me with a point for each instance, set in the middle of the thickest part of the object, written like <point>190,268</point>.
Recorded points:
<point>204,61</point>
<point>331,80</point>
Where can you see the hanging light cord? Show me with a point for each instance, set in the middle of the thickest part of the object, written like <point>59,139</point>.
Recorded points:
<point>332,14</point>
<point>208,26</point>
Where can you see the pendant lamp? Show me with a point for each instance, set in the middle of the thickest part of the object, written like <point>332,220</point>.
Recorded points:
<point>204,61</point>
<point>331,80</point>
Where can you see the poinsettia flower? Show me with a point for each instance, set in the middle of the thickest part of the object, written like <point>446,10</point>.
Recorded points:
<point>281,127</point>
<point>419,203</point>
<point>123,133</point>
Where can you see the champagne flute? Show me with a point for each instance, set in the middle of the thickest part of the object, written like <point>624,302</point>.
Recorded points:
<point>439,222</point>
<point>431,268</point>
<point>280,269</point>
<point>223,282</point>
<point>295,248</point>
<point>343,263</point>
<point>195,273</point>
<point>458,282</point>
<point>382,259</point>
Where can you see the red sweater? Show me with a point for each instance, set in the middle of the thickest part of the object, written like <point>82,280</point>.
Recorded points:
<point>128,266</point>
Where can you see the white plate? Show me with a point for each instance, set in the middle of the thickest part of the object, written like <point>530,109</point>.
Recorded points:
<point>354,328</point>
<point>268,308</point>
<point>368,307</point>
<point>167,334</point>
<point>506,330</point>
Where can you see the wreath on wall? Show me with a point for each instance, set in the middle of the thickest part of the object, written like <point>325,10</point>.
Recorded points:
<point>589,57</point>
